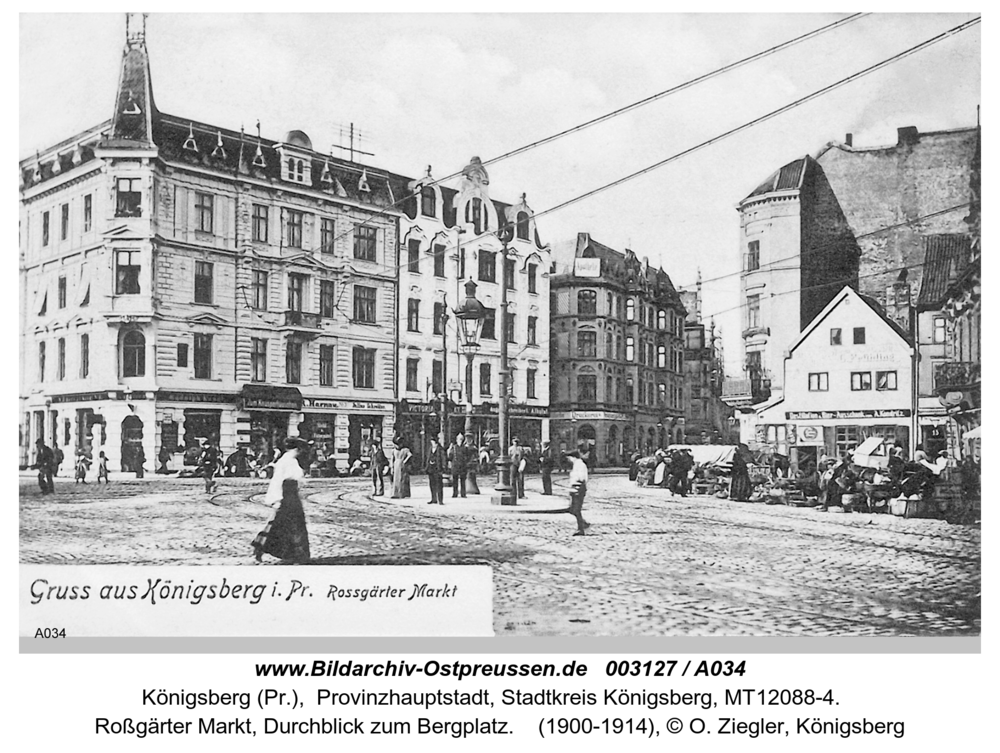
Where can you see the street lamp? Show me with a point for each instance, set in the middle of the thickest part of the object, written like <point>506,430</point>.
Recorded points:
<point>504,495</point>
<point>470,315</point>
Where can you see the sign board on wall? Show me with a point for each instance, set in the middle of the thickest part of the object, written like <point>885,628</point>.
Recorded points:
<point>587,267</point>
<point>808,415</point>
<point>809,435</point>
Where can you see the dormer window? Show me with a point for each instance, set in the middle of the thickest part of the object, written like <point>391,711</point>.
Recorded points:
<point>475,215</point>
<point>522,225</point>
<point>428,202</point>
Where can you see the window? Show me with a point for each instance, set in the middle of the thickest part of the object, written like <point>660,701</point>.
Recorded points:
<point>326,235</point>
<point>439,254</point>
<point>629,348</point>
<point>127,272</point>
<point>133,354</point>
<point>475,214</point>
<point>259,223</point>
<point>586,303</point>
<point>296,292</point>
<point>508,273</point>
<point>531,375</point>
<point>41,362</point>
<point>428,201</point>
<point>523,225</point>
<point>532,278</point>
<point>487,266</point>
<point>258,290</point>
<point>364,242</point>
<point>586,344</point>
<point>510,327</point>
<point>753,256</point>
<point>532,330</point>
<point>364,367</point>
<point>835,336</point>
<point>182,355</point>
<point>413,255</point>
<point>412,364</point>
<point>293,229</point>
<point>940,330</point>
<point>128,198</point>
<point>202,282</point>
<point>847,438</point>
<point>861,380</point>
<point>413,315</point>
<point>859,335</point>
<point>204,212</point>
<point>64,222</point>
<point>364,304</point>
<point>630,309</point>
<point>819,382</point>
<point>753,311</point>
<point>661,319</point>
<point>45,228</point>
<point>293,362</point>
<point>438,318</point>
<point>326,366</point>
<point>587,388</point>
<point>661,356</point>
<point>258,359</point>
<point>84,356</point>
<point>661,393</point>
<point>61,363</point>
<point>62,292</point>
<point>88,212</point>
<point>485,380</point>
<point>885,380</point>
<point>202,356</point>
<point>629,390</point>
<point>327,301</point>
<point>437,377</point>
<point>489,331</point>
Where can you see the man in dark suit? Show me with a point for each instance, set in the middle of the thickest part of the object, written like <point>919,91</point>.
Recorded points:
<point>516,476</point>
<point>545,463</point>
<point>379,463</point>
<point>435,467</point>
<point>460,455</point>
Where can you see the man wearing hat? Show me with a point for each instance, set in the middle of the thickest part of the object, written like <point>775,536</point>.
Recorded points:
<point>516,455</point>
<point>209,464</point>
<point>545,462</point>
<point>460,455</point>
<point>578,487</point>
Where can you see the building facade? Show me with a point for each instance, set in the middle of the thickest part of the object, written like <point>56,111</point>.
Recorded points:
<point>448,236</point>
<point>617,353</point>
<point>183,282</point>
<point>847,377</point>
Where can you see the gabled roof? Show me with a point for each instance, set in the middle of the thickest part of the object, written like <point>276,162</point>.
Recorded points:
<point>848,292</point>
<point>945,256</point>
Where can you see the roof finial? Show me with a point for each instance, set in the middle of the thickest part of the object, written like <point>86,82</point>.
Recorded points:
<point>135,29</point>
<point>189,143</point>
<point>220,150</point>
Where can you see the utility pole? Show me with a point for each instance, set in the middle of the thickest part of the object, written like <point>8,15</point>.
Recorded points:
<point>444,371</point>
<point>504,495</point>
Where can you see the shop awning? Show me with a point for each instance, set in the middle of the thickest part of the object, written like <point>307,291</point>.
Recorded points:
<point>976,433</point>
<point>268,397</point>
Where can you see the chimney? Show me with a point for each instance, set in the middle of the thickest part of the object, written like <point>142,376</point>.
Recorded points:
<point>849,139</point>
<point>908,135</point>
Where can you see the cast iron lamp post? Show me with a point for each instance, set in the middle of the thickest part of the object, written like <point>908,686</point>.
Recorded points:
<point>470,315</point>
<point>504,494</point>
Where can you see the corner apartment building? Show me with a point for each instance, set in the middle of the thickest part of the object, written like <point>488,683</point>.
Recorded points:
<point>181,281</point>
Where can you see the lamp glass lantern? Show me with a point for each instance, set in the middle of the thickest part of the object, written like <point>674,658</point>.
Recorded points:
<point>471,315</point>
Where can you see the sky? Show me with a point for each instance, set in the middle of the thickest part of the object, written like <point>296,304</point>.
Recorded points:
<point>436,89</point>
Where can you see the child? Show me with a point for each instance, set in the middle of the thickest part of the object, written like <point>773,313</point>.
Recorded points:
<point>82,466</point>
<point>102,468</point>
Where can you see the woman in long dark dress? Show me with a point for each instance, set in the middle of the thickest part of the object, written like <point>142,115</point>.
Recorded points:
<point>401,473</point>
<point>740,487</point>
<point>286,537</point>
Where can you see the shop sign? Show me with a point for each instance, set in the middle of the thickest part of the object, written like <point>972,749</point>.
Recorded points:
<point>597,415</point>
<point>264,397</point>
<point>533,411</point>
<point>809,435</point>
<point>810,415</point>
<point>194,397</point>
<point>347,405</point>
<point>587,267</point>
<point>80,397</point>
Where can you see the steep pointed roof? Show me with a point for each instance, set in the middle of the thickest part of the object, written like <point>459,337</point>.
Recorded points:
<point>785,178</point>
<point>132,121</point>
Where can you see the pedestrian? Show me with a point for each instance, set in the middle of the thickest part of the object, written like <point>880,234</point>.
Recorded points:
<point>209,462</point>
<point>633,466</point>
<point>82,466</point>
<point>516,455</point>
<point>460,455</point>
<point>139,460</point>
<point>57,459</point>
<point>578,475</point>
<point>545,463</point>
<point>740,487</point>
<point>435,466</point>
<point>44,462</point>
<point>401,472</point>
<point>379,463</point>
<point>286,536</point>
<point>102,468</point>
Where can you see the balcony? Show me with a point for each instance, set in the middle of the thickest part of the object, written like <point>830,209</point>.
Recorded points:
<point>954,376</point>
<point>757,330</point>
<point>302,323</point>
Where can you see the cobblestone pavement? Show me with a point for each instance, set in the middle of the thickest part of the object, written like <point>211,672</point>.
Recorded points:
<point>651,566</point>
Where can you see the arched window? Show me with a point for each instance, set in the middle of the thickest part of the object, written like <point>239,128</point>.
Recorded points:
<point>475,214</point>
<point>609,390</point>
<point>428,202</point>
<point>661,356</point>
<point>522,225</point>
<point>300,168</point>
<point>133,354</point>
<point>586,303</point>
<point>630,309</point>
<point>291,168</point>
<point>661,319</point>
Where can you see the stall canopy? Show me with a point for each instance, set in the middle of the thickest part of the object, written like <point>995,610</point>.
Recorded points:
<point>720,455</point>
<point>976,433</point>
<point>872,453</point>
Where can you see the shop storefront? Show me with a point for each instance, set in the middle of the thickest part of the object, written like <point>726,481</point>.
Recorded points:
<point>342,431</point>
<point>267,415</point>
<point>811,435</point>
